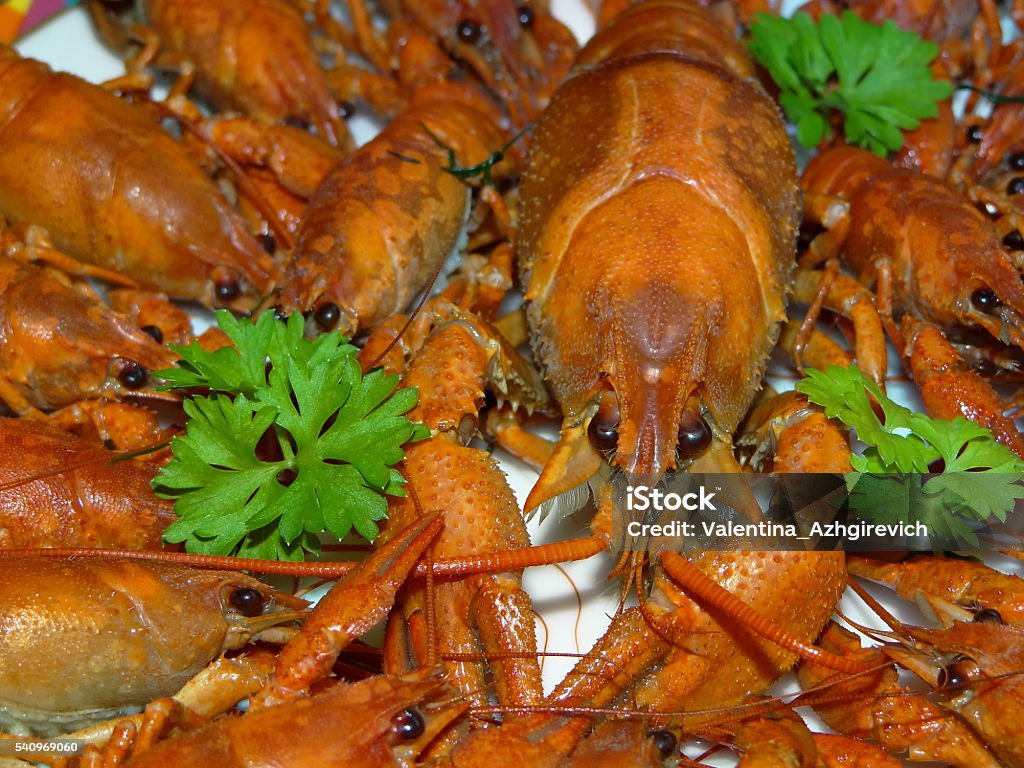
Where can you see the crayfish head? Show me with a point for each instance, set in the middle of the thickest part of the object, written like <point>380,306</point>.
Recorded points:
<point>74,346</point>
<point>254,611</point>
<point>994,300</point>
<point>407,713</point>
<point>643,431</point>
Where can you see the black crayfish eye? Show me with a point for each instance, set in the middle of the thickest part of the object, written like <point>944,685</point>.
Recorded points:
<point>526,16</point>
<point>131,374</point>
<point>988,616</point>
<point>603,430</point>
<point>468,31</point>
<point>154,333</point>
<point>268,242</point>
<point>985,300</point>
<point>326,315</point>
<point>408,724</point>
<point>227,287</point>
<point>248,601</point>
<point>1014,241</point>
<point>665,742</point>
<point>956,674</point>
<point>694,435</point>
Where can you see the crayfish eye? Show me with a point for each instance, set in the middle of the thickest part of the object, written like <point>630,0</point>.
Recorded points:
<point>326,315</point>
<point>131,374</point>
<point>154,332</point>
<point>988,616</point>
<point>1015,186</point>
<point>694,435</point>
<point>974,134</point>
<point>985,299</point>
<point>526,16</point>
<point>1014,241</point>
<point>665,742</point>
<point>468,31</point>
<point>408,724</point>
<point>957,674</point>
<point>247,601</point>
<point>268,242</point>
<point>603,429</point>
<point>227,287</point>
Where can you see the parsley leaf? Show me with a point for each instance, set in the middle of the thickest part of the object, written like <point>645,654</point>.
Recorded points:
<point>845,394</point>
<point>876,75</point>
<point>981,477</point>
<point>333,436</point>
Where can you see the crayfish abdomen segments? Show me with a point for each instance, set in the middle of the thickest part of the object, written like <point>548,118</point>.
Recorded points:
<point>665,185</point>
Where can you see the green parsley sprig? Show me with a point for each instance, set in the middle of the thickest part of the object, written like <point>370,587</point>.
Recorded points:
<point>981,477</point>
<point>876,75</point>
<point>334,435</point>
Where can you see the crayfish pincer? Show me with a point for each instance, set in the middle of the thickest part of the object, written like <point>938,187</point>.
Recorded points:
<point>658,231</point>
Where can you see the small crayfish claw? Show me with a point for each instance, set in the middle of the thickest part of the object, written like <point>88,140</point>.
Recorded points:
<point>949,389</point>
<point>509,376</point>
<point>797,436</point>
<point>352,607</point>
<point>967,583</point>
